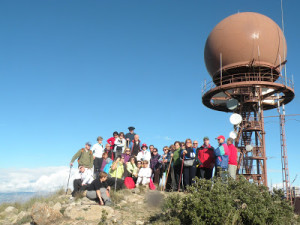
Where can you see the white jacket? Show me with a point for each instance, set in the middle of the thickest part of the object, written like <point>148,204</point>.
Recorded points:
<point>145,172</point>
<point>120,143</point>
<point>86,177</point>
<point>144,155</point>
<point>97,150</point>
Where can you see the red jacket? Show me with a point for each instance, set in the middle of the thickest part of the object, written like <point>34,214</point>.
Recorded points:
<point>206,156</point>
<point>111,141</point>
<point>232,155</point>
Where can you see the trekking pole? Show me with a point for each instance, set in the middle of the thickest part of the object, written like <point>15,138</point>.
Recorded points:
<point>168,173</point>
<point>181,172</point>
<point>68,179</point>
<point>116,178</point>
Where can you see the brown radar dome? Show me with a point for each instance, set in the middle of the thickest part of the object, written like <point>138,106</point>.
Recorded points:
<point>244,40</point>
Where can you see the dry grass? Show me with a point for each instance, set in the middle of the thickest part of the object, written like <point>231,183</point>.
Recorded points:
<point>28,204</point>
<point>118,196</point>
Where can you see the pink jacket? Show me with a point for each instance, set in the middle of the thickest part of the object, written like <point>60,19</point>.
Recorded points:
<point>232,155</point>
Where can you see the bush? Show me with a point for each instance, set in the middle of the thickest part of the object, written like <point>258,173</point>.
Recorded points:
<point>234,202</point>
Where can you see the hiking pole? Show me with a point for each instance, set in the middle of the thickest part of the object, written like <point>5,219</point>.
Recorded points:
<point>116,178</point>
<point>68,179</point>
<point>168,173</point>
<point>181,172</point>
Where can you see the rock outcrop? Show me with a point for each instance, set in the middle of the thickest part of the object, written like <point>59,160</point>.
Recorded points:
<point>129,207</point>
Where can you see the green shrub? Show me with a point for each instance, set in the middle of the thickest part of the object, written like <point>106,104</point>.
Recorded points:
<point>233,202</point>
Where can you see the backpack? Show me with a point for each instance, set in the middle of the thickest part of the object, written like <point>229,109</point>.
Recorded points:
<point>107,167</point>
<point>129,183</point>
<point>151,185</point>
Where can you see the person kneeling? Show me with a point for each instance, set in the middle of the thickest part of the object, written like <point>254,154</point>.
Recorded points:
<point>99,190</point>
<point>144,174</point>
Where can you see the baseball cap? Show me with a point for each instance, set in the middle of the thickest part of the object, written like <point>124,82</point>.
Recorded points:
<point>221,136</point>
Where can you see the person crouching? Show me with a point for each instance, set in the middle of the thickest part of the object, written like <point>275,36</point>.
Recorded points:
<point>144,174</point>
<point>99,190</point>
<point>82,179</point>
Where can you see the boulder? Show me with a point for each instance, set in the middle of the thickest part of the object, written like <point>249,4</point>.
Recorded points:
<point>11,210</point>
<point>43,214</point>
<point>20,216</point>
<point>57,206</point>
<point>88,212</point>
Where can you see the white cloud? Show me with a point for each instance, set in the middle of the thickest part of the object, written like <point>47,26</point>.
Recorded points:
<point>167,138</point>
<point>44,179</point>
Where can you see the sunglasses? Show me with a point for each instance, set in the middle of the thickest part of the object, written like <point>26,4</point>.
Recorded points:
<point>154,151</point>
<point>195,143</point>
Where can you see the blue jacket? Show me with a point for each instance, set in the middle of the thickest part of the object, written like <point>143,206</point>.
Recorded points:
<point>222,156</point>
<point>107,167</point>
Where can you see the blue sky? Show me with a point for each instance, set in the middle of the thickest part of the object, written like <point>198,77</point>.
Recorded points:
<point>73,70</point>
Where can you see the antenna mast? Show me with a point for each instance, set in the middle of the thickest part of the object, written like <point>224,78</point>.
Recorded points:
<point>284,156</point>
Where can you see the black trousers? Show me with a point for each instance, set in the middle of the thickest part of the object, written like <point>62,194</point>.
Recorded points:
<point>97,165</point>
<point>177,170</point>
<point>189,173</point>
<point>77,185</point>
<point>171,181</point>
<point>204,173</point>
<point>112,181</point>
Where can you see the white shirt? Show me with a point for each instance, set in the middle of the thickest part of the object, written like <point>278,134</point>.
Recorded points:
<point>145,172</point>
<point>97,150</point>
<point>144,155</point>
<point>120,143</point>
<point>86,177</point>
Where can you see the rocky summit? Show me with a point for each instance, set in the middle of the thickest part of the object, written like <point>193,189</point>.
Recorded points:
<point>134,206</point>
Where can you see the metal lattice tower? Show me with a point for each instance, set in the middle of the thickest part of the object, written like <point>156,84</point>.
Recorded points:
<point>244,55</point>
<point>284,157</point>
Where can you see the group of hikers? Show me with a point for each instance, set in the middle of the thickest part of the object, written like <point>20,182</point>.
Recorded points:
<point>126,162</point>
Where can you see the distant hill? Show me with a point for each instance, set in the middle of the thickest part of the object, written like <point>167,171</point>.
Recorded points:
<point>17,196</point>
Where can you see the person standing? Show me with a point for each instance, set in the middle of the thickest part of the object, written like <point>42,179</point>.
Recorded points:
<point>85,157</point>
<point>195,145</point>
<point>222,156</point>
<point>120,144</point>
<point>232,162</point>
<point>97,150</point>
<point>155,166</point>
<point>111,141</point>
<point>189,164</point>
<point>206,156</point>
<point>130,136</point>
<point>176,163</point>
<point>168,169</point>
<point>136,145</point>
<point>151,148</point>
